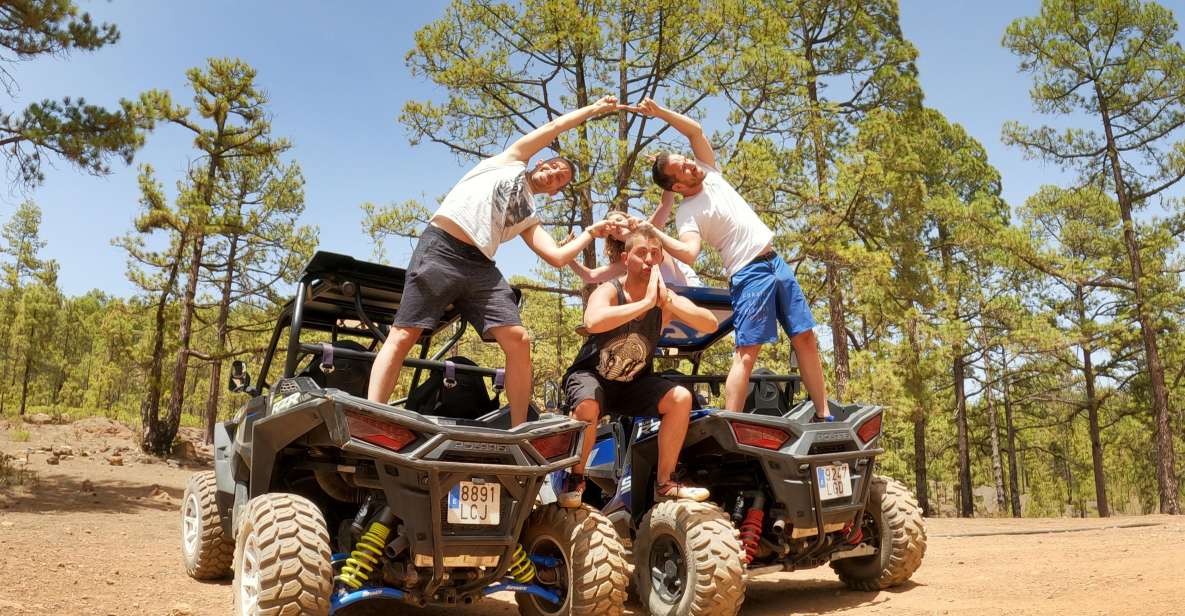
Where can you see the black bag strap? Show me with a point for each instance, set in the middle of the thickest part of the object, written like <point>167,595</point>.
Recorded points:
<point>450,374</point>
<point>499,380</point>
<point>327,358</point>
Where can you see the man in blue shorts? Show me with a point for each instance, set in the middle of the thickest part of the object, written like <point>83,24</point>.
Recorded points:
<point>764,291</point>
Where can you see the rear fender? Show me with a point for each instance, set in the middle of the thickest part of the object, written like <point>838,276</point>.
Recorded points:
<point>273,433</point>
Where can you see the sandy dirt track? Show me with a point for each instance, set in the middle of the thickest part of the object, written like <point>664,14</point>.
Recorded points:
<point>89,538</point>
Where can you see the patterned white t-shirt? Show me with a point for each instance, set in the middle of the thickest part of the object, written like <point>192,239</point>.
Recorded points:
<point>724,221</point>
<point>492,203</point>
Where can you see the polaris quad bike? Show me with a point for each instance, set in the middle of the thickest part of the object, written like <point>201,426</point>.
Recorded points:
<point>787,493</point>
<point>322,502</point>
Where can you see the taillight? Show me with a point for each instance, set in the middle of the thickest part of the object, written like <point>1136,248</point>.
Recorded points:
<point>555,445</point>
<point>764,437</point>
<point>869,429</point>
<point>378,432</point>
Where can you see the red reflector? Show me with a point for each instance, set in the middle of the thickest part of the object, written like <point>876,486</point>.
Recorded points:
<point>555,445</point>
<point>764,437</point>
<point>377,432</point>
<point>869,429</point>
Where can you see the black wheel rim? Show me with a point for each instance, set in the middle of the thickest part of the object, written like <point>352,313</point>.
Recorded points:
<point>668,569</point>
<point>872,536</point>
<point>546,546</point>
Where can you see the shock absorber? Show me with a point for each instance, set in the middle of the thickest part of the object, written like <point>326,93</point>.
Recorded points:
<point>365,557</point>
<point>751,528</point>
<point>853,534</point>
<point>521,567</point>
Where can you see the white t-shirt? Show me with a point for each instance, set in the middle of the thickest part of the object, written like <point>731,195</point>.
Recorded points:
<point>492,203</point>
<point>724,221</point>
<point>676,272</point>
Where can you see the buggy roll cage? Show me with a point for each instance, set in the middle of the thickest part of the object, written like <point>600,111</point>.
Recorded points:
<point>680,341</point>
<point>339,294</point>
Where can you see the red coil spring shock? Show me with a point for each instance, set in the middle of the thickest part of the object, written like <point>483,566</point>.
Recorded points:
<point>853,535</point>
<point>751,532</point>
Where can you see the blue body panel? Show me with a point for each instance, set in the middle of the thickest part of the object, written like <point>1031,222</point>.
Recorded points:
<point>680,339</point>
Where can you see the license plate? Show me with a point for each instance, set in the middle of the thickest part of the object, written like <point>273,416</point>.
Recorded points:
<point>474,503</point>
<point>835,481</point>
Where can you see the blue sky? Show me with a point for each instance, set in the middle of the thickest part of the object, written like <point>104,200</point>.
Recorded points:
<point>336,78</point>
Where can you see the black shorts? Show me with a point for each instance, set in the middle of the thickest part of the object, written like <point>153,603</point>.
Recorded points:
<point>445,271</point>
<point>636,398</point>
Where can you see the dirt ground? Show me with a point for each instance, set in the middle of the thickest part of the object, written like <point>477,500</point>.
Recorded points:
<point>87,537</point>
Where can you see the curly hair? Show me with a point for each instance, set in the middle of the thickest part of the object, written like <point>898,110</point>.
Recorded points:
<point>613,246</point>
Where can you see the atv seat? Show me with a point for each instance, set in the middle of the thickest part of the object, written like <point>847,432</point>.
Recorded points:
<point>766,398</point>
<point>351,375</point>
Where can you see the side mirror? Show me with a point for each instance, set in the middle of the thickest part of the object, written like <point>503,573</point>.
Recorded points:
<point>240,381</point>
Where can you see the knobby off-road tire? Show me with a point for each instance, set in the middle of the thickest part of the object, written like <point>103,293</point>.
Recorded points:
<point>282,558</point>
<point>206,550</point>
<point>893,511</point>
<point>593,572</point>
<point>710,581</point>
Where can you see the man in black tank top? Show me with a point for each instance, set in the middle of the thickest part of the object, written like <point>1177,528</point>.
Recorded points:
<point>614,369</point>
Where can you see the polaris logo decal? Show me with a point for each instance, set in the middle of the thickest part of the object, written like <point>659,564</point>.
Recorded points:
<point>830,436</point>
<point>482,447</point>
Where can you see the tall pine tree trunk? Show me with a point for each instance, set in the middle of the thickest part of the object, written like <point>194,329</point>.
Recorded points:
<point>150,423</point>
<point>966,501</point>
<point>1092,410</point>
<point>919,465</point>
<point>25,379</point>
<point>1013,474</point>
<point>168,432</point>
<point>919,421</point>
<point>1166,477</point>
<point>223,331</point>
<point>994,440</point>
<point>839,328</point>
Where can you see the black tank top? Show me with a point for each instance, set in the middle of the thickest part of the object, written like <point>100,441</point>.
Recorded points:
<point>624,353</point>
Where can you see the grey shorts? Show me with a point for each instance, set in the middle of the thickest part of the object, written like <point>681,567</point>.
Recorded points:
<point>445,271</point>
<point>636,398</point>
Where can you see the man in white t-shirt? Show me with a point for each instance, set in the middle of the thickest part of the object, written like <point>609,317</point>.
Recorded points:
<point>453,261</point>
<point>764,291</point>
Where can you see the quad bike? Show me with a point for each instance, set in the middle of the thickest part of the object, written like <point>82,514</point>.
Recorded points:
<point>322,501</point>
<point>786,493</point>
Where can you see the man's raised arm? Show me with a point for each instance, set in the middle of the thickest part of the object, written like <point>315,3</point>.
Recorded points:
<point>685,249</point>
<point>556,255</point>
<point>530,144</point>
<point>689,128</point>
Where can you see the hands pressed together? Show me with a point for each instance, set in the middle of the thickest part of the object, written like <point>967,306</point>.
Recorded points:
<point>607,104</point>
<point>657,293</point>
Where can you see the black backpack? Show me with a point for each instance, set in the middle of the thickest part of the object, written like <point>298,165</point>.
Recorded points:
<point>349,375</point>
<point>468,398</point>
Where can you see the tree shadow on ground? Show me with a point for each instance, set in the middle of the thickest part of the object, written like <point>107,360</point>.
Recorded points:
<point>65,494</point>
<point>819,596</point>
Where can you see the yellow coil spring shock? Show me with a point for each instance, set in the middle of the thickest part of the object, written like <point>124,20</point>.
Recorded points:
<point>365,557</point>
<point>521,569</point>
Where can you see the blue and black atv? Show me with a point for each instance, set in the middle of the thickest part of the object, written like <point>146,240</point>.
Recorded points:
<point>322,502</point>
<point>787,494</point>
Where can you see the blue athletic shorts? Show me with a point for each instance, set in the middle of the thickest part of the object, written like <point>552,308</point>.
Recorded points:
<point>766,294</point>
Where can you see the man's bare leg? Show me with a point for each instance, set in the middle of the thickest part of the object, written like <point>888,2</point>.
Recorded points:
<point>385,371</point>
<point>675,408</point>
<point>736,386</point>
<point>572,492</point>
<point>588,410</point>
<point>810,365</point>
<point>516,344</point>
